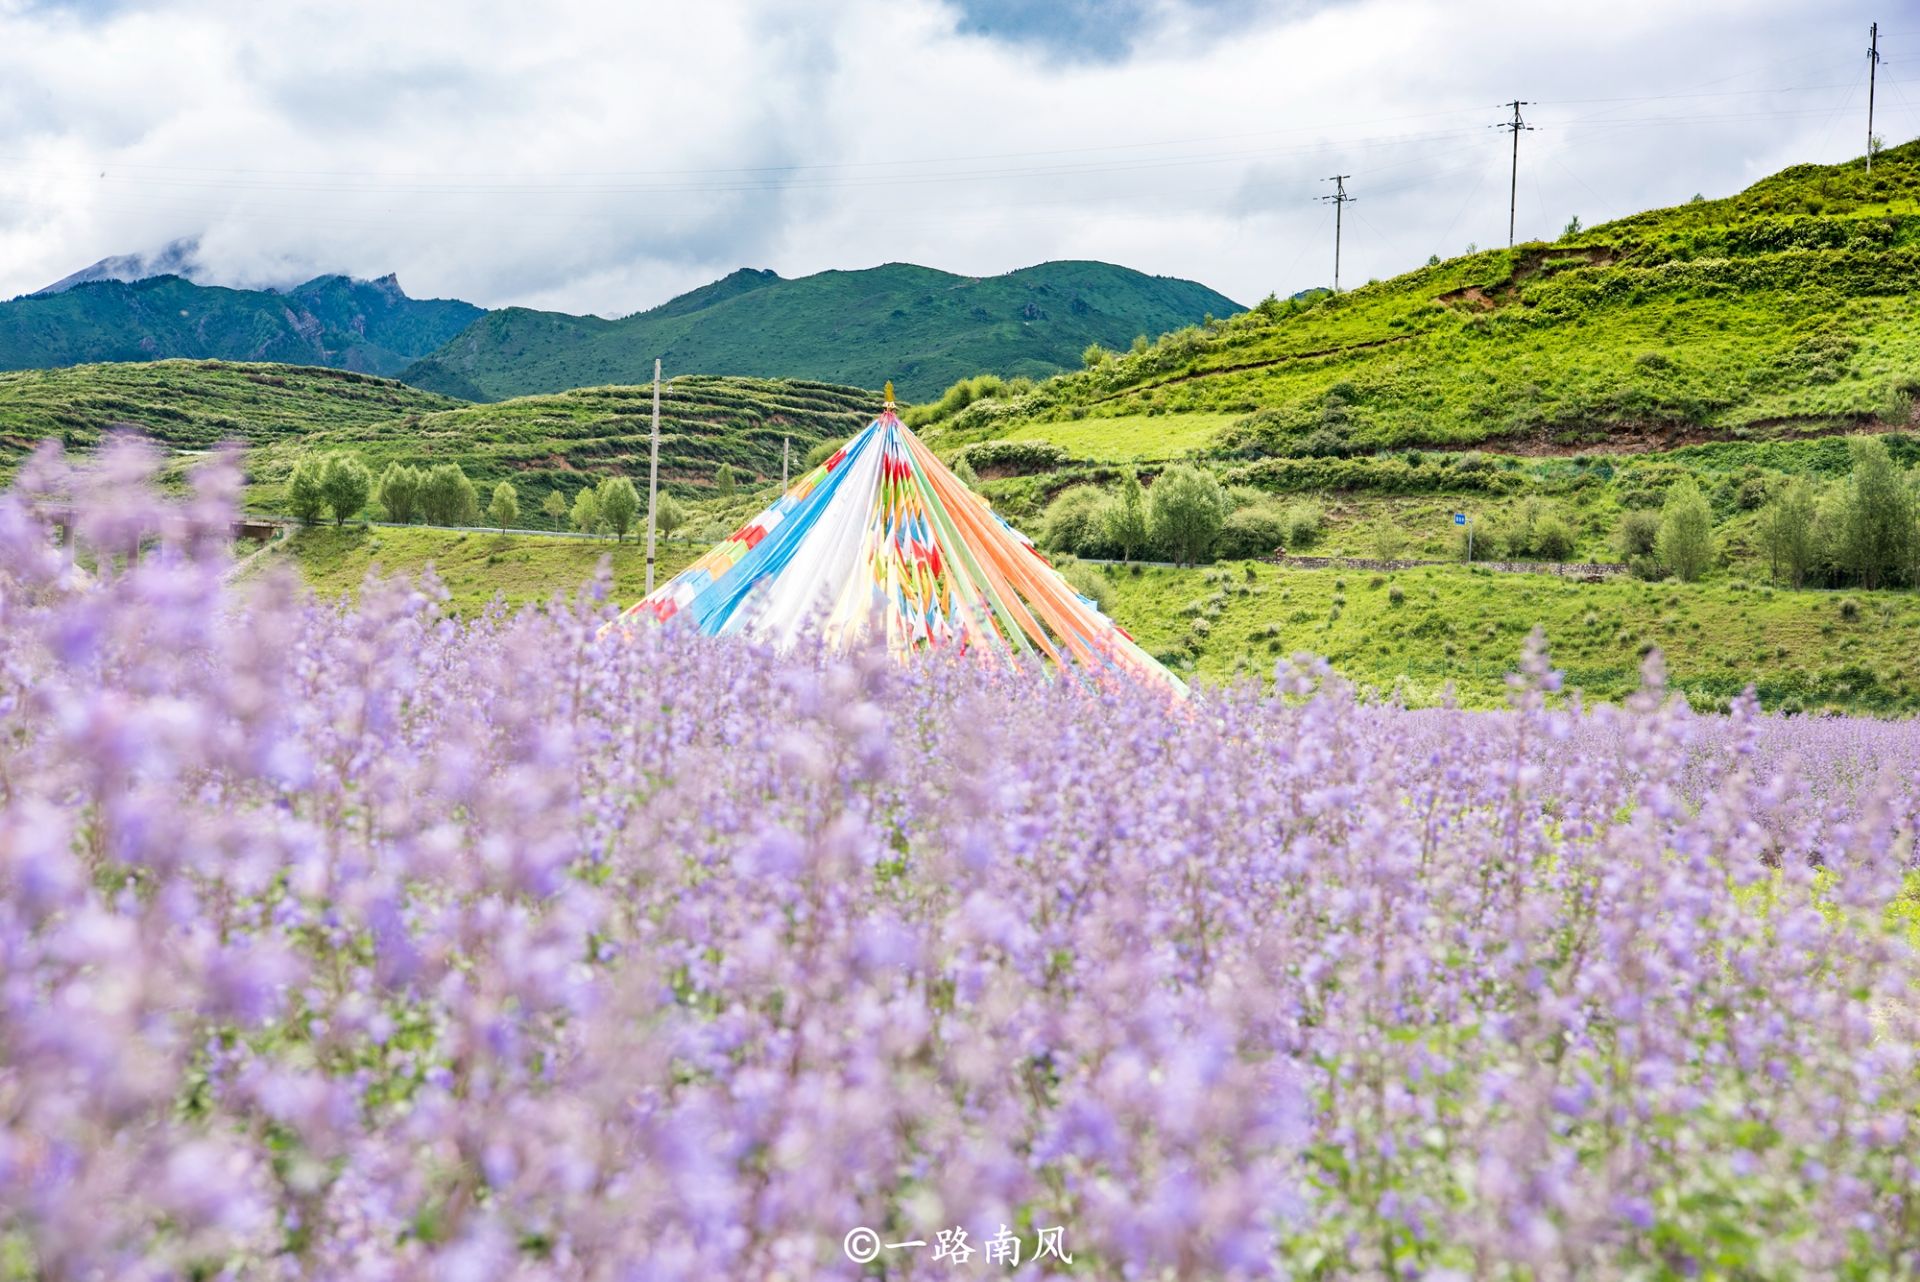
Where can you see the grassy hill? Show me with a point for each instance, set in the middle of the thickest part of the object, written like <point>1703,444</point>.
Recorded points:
<point>192,405</point>
<point>539,443</point>
<point>919,327</point>
<point>565,441</point>
<point>1788,308</point>
<point>368,326</point>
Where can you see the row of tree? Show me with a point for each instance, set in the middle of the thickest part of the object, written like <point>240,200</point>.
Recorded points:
<point>341,486</point>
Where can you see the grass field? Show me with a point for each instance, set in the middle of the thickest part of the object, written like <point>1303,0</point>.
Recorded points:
<point>475,568</point>
<point>1415,629</point>
<point>1426,627</point>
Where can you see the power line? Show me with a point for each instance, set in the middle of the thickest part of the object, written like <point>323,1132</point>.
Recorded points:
<point>1517,126</point>
<point>1338,200</point>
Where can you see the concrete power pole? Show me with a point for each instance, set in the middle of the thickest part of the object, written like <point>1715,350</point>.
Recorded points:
<point>786,445</point>
<point>653,474</point>
<point>1873,66</point>
<point>1338,200</point>
<point>1513,186</point>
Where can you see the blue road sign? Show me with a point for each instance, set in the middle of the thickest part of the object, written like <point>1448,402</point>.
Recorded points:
<point>1459,518</point>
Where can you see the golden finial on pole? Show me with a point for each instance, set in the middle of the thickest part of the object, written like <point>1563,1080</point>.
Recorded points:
<point>889,394</point>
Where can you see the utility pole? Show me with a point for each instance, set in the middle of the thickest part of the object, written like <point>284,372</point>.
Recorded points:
<point>1338,199</point>
<point>1873,66</point>
<point>786,443</point>
<point>1513,187</point>
<point>653,473</point>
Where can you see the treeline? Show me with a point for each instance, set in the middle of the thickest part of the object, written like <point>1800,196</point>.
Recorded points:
<point>1863,531</point>
<point>342,487</point>
<point>1859,531</point>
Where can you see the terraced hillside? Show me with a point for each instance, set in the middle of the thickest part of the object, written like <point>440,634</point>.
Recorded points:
<point>194,404</point>
<point>544,443</point>
<point>1791,307</point>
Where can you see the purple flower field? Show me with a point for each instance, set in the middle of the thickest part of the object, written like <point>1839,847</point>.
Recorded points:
<point>359,942</point>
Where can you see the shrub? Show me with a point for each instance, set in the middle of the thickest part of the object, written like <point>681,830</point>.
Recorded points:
<point>1636,534</point>
<point>1076,521</point>
<point>1086,580</point>
<point>1252,531</point>
<point>1553,539</point>
<point>1303,523</point>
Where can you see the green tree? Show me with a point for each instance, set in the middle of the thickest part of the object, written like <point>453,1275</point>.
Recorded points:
<point>555,507</point>
<point>504,508</point>
<point>1572,228</point>
<point>347,484</point>
<point>619,504</point>
<point>723,482</point>
<point>1126,518</point>
<point>1094,356</point>
<point>1685,541</point>
<point>305,498</point>
<point>668,516</point>
<point>586,511</point>
<point>399,492</point>
<point>447,497</point>
<point>1185,510</point>
<point>1876,528</point>
<point>1789,534</point>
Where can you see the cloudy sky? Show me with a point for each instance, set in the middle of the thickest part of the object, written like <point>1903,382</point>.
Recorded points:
<point>602,155</point>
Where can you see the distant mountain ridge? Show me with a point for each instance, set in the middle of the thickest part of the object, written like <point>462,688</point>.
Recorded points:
<point>371,327</point>
<point>920,327</point>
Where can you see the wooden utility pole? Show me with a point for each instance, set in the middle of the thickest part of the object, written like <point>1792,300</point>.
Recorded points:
<point>1338,200</point>
<point>1513,185</point>
<point>1873,65</point>
<point>653,474</point>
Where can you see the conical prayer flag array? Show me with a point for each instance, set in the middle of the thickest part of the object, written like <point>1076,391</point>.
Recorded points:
<point>884,536</point>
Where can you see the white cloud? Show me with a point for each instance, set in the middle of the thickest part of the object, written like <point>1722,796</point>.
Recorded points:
<point>602,156</point>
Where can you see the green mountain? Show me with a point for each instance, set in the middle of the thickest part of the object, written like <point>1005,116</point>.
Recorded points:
<point>367,326</point>
<point>1788,308</point>
<point>919,327</point>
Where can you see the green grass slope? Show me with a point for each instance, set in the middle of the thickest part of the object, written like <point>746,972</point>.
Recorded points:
<point>191,405</point>
<point>1793,306</point>
<point>521,569</point>
<point>1423,629</point>
<point>367,326</point>
<point>919,327</point>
